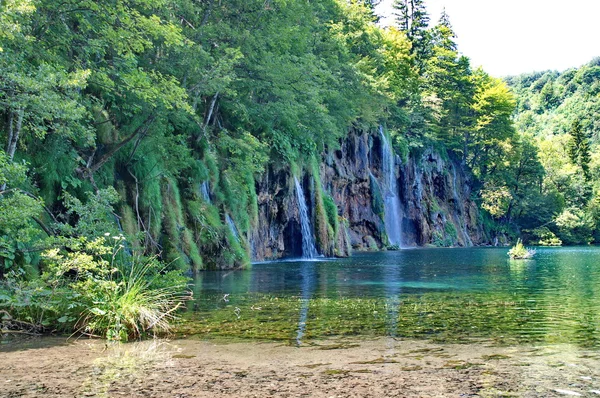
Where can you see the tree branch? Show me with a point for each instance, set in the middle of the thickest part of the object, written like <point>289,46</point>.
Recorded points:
<point>143,129</point>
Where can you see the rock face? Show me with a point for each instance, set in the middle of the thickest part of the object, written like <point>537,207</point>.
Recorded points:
<point>434,193</point>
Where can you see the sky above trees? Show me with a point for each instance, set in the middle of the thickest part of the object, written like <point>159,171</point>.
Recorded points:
<point>510,37</point>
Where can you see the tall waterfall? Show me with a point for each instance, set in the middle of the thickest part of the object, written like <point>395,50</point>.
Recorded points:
<point>393,217</point>
<point>232,227</point>
<point>308,242</point>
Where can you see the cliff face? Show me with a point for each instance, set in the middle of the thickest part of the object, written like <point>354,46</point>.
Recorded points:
<point>433,193</point>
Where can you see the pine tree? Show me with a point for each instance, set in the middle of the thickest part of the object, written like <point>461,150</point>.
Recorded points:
<point>412,18</point>
<point>579,149</point>
<point>443,35</point>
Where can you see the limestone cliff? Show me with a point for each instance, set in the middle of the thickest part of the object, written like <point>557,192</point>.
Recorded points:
<point>434,193</point>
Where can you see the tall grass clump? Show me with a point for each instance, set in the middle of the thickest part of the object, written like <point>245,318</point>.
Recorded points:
<point>520,252</point>
<point>132,303</point>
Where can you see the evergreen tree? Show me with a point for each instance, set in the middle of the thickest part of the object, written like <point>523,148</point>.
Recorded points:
<point>579,149</point>
<point>443,35</point>
<point>412,18</point>
<point>447,76</point>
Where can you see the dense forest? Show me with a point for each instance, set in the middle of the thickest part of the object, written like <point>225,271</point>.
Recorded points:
<point>558,113</point>
<point>152,123</point>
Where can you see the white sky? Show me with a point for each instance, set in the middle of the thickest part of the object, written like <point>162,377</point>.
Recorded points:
<point>509,37</point>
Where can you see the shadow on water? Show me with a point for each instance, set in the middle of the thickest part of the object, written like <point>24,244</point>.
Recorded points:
<point>450,295</point>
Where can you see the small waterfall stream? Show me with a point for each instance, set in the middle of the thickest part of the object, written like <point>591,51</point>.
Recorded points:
<point>232,227</point>
<point>205,190</point>
<point>309,249</point>
<point>393,217</point>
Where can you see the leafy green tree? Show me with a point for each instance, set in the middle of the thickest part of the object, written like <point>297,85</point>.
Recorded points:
<point>493,106</point>
<point>20,214</point>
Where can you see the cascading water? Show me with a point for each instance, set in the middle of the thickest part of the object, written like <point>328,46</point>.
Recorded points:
<point>308,242</point>
<point>393,217</point>
<point>459,205</point>
<point>232,227</point>
<point>204,189</point>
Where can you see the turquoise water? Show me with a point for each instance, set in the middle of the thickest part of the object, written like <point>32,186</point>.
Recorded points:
<point>440,294</point>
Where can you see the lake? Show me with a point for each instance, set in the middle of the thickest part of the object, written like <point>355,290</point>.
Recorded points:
<point>444,295</point>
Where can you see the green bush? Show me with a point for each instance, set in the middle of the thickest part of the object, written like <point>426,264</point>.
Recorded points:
<point>520,252</point>
<point>94,287</point>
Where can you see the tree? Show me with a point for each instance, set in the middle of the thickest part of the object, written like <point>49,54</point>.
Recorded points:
<point>447,76</point>
<point>485,146</point>
<point>579,149</point>
<point>412,18</point>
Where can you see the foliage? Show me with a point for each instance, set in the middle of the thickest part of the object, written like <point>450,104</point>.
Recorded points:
<point>520,252</point>
<point>542,236</point>
<point>560,111</point>
<point>95,287</point>
<point>18,209</point>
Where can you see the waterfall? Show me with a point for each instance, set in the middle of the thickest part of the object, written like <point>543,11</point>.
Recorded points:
<point>204,189</point>
<point>393,217</point>
<point>459,205</point>
<point>308,242</point>
<point>232,227</point>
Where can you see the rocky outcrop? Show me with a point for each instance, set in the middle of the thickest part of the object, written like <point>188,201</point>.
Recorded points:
<point>434,192</point>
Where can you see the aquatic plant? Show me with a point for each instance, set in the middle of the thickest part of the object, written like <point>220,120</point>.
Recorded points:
<point>520,252</point>
<point>499,317</point>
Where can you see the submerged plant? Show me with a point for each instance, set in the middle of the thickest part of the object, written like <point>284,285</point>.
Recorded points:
<point>520,252</point>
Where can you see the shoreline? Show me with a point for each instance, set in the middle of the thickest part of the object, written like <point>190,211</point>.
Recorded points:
<point>53,367</point>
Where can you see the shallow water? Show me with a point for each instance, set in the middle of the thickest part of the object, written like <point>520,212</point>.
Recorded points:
<point>449,295</point>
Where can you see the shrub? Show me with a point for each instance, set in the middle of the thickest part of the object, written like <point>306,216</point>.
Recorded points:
<point>95,288</point>
<point>520,252</point>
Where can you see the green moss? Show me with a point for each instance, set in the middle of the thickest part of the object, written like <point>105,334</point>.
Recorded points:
<point>371,243</point>
<point>450,231</point>
<point>191,249</point>
<point>325,218</point>
<point>376,197</point>
<point>183,250</point>
<point>129,224</point>
<point>331,210</point>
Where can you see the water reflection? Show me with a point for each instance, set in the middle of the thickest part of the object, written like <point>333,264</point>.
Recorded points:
<point>447,294</point>
<point>393,278</point>
<point>308,273</point>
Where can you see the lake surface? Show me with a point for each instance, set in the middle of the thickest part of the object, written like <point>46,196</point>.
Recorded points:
<point>446,295</point>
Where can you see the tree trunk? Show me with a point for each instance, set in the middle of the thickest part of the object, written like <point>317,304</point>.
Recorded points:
<point>142,130</point>
<point>210,113</point>
<point>14,135</point>
<point>13,138</point>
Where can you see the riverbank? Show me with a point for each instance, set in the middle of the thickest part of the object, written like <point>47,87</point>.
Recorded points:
<point>53,367</point>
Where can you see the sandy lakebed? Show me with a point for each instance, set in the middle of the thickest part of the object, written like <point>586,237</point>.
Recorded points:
<point>55,367</point>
